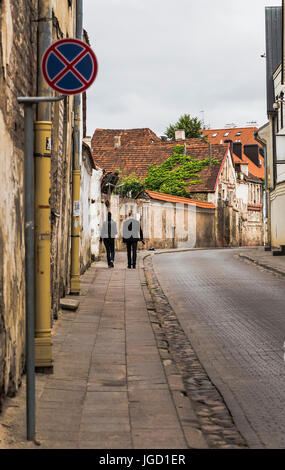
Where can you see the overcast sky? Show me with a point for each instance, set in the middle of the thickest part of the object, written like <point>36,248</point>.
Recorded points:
<point>159,59</point>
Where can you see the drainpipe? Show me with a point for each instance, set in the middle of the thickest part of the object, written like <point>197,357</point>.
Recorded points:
<point>75,229</point>
<point>42,154</point>
<point>266,231</point>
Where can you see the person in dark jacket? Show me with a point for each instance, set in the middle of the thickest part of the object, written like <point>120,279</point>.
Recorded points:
<point>108,234</point>
<point>132,234</point>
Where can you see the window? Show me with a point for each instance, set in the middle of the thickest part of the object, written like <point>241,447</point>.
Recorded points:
<point>280,158</point>
<point>226,134</point>
<point>215,134</point>
<point>239,133</point>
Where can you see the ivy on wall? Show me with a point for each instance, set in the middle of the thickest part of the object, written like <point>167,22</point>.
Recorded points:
<point>177,173</point>
<point>132,185</point>
<point>173,176</point>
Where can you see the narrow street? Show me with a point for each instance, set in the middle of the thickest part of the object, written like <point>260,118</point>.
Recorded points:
<point>233,314</point>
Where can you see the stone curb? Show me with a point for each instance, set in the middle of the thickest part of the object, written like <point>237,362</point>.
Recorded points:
<point>185,413</point>
<point>207,415</point>
<point>263,265</point>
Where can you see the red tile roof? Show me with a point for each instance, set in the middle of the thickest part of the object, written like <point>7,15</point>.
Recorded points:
<point>217,136</point>
<point>141,148</point>
<point>177,199</point>
<point>246,137</point>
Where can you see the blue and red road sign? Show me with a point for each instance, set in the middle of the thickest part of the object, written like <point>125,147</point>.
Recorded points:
<point>69,66</point>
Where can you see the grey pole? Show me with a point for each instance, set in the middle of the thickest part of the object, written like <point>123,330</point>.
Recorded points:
<point>77,98</point>
<point>29,246</point>
<point>30,255</point>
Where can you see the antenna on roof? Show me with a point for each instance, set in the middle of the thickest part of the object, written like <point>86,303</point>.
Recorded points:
<point>230,125</point>
<point>203,118</point>
<point>251,124</point>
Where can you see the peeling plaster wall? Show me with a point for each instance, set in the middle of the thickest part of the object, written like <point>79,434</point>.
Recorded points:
<point>85,203</point>
<point>95,212</point>
<point>6,34</point>
<point>12,265</point>
<point>17,78</point>
<point>164,225</point>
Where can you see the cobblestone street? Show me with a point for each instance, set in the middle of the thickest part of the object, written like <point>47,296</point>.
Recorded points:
<point>191,359</point>
<point>233,313</point>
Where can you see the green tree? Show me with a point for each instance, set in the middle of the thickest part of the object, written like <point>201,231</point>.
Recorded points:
<point>192,127</point>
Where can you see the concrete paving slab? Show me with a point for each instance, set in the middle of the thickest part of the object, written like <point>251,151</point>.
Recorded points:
<point>69,304</point>
<point>167,439</point>
<point>108,389</point>
<point>105,440</point>
<point>63,396</point>
<point>66,384</point>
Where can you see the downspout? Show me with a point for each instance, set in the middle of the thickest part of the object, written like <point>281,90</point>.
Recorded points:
<point>42,154</point>
<point>265,226</point>
<point>75,229</point>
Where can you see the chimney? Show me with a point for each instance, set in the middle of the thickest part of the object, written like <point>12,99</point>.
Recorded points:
<point>229,141</point>
<point>252,152</point>
<point>237,149</point>
<point>244,169</point>
<point>117,141</point>
<point>180,134</point>
<point>87,140</point>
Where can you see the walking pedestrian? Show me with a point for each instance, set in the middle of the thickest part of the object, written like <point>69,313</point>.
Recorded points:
<point>132,234</point>
<point>108,234</point>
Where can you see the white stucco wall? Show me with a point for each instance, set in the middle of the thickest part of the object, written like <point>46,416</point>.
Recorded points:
<point>85,235</point>
<point>277,202</point>
<point>95,211</point>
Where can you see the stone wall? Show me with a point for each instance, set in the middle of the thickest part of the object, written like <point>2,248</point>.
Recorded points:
<point>164,225</point>
<point>18,61</point>
<point>18,77</point>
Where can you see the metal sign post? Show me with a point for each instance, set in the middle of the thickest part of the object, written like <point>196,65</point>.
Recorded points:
<point>70,67</point>
<point>29,256</point>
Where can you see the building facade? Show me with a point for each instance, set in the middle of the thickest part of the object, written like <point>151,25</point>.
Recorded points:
<point>272,134</point>
<point>23,27</point>
<point>232,184</point>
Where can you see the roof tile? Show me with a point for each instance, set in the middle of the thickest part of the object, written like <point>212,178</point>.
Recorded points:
<point>141,148</point>
<point>177,199</point>
<point>245,135</point>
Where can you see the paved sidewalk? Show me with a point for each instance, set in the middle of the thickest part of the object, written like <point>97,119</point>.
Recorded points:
<point>265,259</point>
<point>111,387</point>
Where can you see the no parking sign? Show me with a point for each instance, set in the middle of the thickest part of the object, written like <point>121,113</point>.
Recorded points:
<point>69,66</point>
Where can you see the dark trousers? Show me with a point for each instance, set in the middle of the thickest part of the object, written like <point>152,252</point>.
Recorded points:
<point>132,253</point>
<point>110,248</point>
